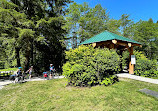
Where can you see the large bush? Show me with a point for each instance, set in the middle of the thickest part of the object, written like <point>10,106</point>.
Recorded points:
<point>87,66</point>
<point>144,66</point>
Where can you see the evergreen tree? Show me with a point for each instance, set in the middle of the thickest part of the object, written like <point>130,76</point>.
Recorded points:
<point>85,22</point>
<point>150,20</point>
<point>147,33</point>
<point>32,32</point>
<point>125,24</point>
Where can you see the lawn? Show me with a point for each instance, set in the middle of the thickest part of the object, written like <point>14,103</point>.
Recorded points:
<point>54,95</point>
<point>9,69</point>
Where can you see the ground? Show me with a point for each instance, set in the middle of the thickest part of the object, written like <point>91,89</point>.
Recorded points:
<point>54,95</point>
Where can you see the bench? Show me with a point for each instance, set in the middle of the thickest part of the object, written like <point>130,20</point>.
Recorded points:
<point>5,74</point>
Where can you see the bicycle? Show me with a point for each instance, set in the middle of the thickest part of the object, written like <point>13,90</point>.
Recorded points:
<point>19,78</point>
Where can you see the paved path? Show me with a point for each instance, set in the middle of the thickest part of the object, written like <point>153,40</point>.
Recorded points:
<point>6,82</point>
<point>3,83</point>
<point>139,78</point>
<point>124,75</point>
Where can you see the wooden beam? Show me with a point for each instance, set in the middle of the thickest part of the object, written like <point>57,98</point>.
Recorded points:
<point>94,44</point>
<point>131,66</point>
<point>129,44</point>
<point>122,43</point>
<point>134,44</point>
<point>114,41</point>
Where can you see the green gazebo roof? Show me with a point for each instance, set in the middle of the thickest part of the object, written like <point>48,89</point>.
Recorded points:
<point>105,36</point>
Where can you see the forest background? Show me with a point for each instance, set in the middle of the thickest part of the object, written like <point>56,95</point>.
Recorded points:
<point>37,32</point>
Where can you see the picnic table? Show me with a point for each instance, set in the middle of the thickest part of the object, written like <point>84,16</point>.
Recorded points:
<point>5,74</point>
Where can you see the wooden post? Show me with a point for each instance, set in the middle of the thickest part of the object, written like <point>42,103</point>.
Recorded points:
<point>131,66</point>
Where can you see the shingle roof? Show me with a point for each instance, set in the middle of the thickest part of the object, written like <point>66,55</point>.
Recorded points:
<point>105,36</point>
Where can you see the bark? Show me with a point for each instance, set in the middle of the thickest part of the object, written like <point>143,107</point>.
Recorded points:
<point>17,51</point>
<point>32,48</point>
<point>27,61</point>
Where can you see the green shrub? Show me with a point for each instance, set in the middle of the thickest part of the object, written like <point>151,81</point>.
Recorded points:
<point>144,66</point>
<point>109,80</point>
<point>2,64</point>
<point>125,59</point>
<point>87,66</point>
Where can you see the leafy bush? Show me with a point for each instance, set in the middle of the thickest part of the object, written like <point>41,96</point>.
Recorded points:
<point>87,66</point>
<point>125,59</point>
<point>109,80</point>
<point>144,66</point>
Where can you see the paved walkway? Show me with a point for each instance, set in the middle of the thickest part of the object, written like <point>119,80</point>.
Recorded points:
<point>6,82</point>
<point>139,78</point>
<point>124,75</point>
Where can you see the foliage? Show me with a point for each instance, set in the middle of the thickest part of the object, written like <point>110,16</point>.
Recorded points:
<point>125,25</point>
<point>144,66</point>
<point>109,80</point>
<point>114,26</point>
<point>146,32</point>
<point>87,66</point>
<point>50,27</point>
<point>31,33</point>
<point>83,22</point>
<point>125,59</point>
<point>9,69</point>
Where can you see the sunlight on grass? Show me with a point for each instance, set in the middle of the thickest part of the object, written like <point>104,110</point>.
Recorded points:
<point>54,95</point>
<point>9,69</point>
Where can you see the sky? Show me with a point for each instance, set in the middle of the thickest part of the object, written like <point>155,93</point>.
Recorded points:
<point>137,9</point>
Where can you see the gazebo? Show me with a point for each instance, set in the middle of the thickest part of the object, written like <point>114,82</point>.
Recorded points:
<point>110,40</point>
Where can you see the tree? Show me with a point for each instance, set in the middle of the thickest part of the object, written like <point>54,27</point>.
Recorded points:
<point>114,26</point>
<point>84,21</point>
<point>150,20</point>
<point>125,24</point>
<point>147,33</point>
<point>33,31</point>
<point>11,21</point>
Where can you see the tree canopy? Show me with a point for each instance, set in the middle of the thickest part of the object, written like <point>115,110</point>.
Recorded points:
<point>32,33</point>
<point>37,32</point>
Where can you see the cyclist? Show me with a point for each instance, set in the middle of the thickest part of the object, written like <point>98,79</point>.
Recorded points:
<point>30,71</point>
<point>51,71</point>
<point>19,75</point>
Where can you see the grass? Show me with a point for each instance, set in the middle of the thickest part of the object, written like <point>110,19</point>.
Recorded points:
<point>149,77</point>
<point>154,77</point>
<point>54,95</point>
<point>9,69</point>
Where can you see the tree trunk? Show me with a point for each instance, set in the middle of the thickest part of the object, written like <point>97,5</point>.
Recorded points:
<point>32,54</point>
<point>27,61</point>
<point>17,56</point>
